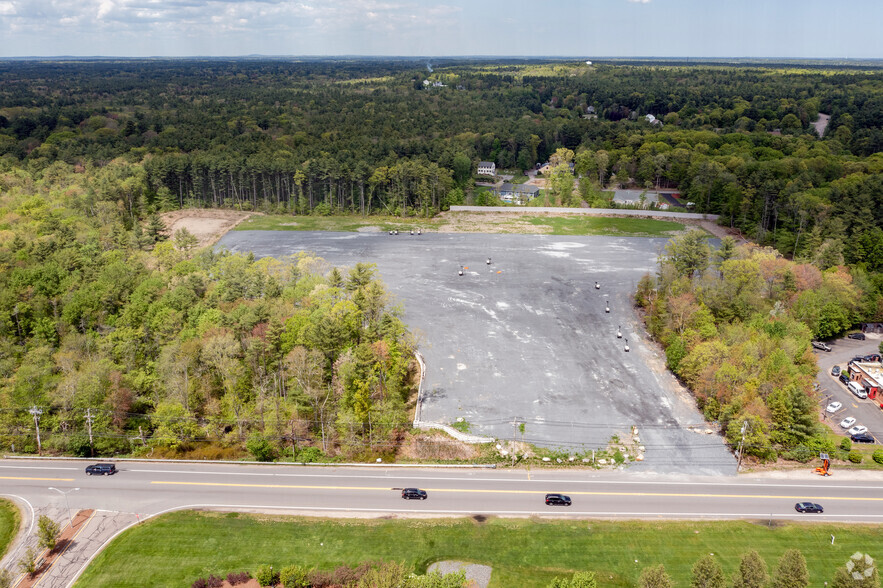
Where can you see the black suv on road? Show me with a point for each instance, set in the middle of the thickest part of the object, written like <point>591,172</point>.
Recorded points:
<point>413,494</point>
<point>558,499</point>
<point>857,336</point>
<point>808,507</point>
<point>101,469</point>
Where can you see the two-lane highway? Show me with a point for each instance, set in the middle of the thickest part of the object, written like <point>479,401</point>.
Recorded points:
<point>148,488</point>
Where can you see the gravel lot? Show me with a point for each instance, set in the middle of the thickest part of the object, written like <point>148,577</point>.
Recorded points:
<point>526,338</point>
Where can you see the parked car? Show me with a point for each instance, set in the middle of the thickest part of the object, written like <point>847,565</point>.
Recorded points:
<point>858,430</point>
<point>558,500</point>
<point>872,357</point>
<point>821,346</point>
<point>857,389</point>
<point>863,438</point>
<point>835,371</point>
<point>857,336</point>
<point>844,378</point>
<point>847,422</point>
<point>857,358</point>
<point>808,507</point>
<point>413,494</point>
<point>834,407</point>
<point>101,469</point>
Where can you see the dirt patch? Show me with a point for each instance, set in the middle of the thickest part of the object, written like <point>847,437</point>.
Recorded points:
<point>432,446</point>
<point>207,225</point>
<point>480,222</point>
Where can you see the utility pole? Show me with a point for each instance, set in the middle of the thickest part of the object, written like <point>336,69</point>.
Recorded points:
<point>89,418</point>
<point>36,412</point>
<point>741,444</point>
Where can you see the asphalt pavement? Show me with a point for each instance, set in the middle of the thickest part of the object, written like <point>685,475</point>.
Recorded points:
<point>528,338</point>
<point>866,412</point>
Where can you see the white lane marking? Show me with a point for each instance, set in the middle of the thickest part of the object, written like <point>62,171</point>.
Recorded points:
<point>397,476</point>
<point>563,512</point>
<point>34,468</point>
<point>30,506</point>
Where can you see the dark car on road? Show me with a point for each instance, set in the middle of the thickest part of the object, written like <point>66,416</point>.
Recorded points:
<point>844,378</point>
<point>808,507</point>
<point>413,494</point>
<point>558,500</point>
<point>101,469</point>
<point>863,438</point>
<point>872,357</point>
<point>835,371</point>
<point>857,336</point>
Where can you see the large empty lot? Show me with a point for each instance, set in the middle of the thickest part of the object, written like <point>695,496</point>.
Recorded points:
<point>526,338</point>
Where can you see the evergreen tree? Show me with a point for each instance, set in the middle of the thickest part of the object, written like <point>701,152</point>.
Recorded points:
<point>707,573</point>
<point>655,577</point>
<point>752,572</point>
<point>859,572</point>
<point>791,572</point>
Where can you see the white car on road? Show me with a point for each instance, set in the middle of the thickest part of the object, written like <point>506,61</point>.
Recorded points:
<point>847,422</point>
<point>858,430</point>
<point>834,407</point>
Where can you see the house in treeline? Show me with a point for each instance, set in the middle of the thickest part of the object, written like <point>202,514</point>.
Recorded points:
<point>653,120</point>
<point>641,198</point>
<point>487,168</point>
<point>517,193</point>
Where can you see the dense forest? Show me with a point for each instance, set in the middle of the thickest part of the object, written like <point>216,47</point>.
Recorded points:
<point>113,328</point>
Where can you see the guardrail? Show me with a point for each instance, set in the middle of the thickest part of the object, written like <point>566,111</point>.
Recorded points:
<point>262,463</point>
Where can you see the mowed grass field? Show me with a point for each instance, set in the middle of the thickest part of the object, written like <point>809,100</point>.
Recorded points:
<point>177,548</point>
<point>9,521</point>
<point>504,223</point>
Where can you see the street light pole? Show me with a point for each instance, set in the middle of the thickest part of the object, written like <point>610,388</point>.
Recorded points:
<point>69,518</point>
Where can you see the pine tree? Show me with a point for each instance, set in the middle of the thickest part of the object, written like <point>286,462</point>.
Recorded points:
<point>655,577</point>
<point>707,573</point>
<point>859,572</point>
<point>791,572</point>
<point>752,572</point>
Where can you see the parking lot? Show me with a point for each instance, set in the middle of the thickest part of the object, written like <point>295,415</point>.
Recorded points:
<point>527,338</point>
<point>867,412</point>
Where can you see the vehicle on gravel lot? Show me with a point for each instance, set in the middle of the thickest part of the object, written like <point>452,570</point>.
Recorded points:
<point>558,499</point>
<point>863,438</point>
<point>413,494</point>
<point>858,430</point>
<point>844,378</point>
<point>101,469</point>
<point>821,346</point>
<point>857,336</point>
<point>835,371</point>
<point>847,422</point>
<point>808,507</point>
<point>872,357</point>
<point>834,407</point>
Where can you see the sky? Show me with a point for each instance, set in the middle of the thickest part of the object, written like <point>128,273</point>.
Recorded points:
<point>579,28</point>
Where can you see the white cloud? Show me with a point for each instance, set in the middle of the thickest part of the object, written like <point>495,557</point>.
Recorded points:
<point>7,8</point>
<point>639,1</point>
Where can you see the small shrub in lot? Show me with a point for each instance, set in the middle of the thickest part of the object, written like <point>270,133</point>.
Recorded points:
<point>845,444</point>
<point>855,456</point>
<point>294,577</point>
<point>235,578</point>
<point>214,582</point>
<point>878,456</point>
<point>267,576</point>
<point>200,583</point>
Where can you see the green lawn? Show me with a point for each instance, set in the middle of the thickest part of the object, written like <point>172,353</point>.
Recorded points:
<point>9,522</point>
<point>611,226</point>
<point>334,223</point>
<point>177,548</point>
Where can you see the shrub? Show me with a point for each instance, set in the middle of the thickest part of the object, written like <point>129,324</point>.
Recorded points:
<point>47,532</point>
<point>5,578</point>
<point>855,456</point>
<point>267,576</point>
<point>294,577</point>
<point>234,578</point>
<point>261,448</point>
<point>200,583</point>
<point>878,456</point>
<point>845,444</point>
<point>214,582</point>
